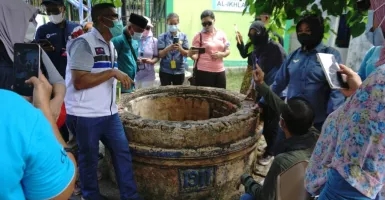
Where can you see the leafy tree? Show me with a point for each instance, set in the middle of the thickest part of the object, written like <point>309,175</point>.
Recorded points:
<point>117,3</point>
<point>282,10</point>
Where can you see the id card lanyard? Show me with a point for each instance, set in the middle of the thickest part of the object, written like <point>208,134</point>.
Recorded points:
<point>142,46</point>
<point>173,54</point>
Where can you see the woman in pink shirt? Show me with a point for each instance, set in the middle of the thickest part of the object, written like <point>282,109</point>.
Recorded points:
<point>210,70</point>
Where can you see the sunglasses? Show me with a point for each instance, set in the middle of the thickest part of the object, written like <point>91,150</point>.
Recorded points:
<point>209,23</point>
<point>148,28</point>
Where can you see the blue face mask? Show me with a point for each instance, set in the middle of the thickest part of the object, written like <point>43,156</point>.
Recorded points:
<point>117,29</point>
<point>172,28</point>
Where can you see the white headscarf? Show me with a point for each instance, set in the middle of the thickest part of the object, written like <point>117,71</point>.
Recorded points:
<point>14,19</point>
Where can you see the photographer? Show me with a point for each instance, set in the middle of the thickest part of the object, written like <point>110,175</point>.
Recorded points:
<point>17,29</point>
<point>35,164</point>
<point>296,120</point>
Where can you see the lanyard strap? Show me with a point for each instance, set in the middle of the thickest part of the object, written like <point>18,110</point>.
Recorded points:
<point>144,45</point>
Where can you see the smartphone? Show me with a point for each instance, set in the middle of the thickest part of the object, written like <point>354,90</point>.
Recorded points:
<point>175,40</point>
<point>199,49</point>
<point>44,42</point>
<point>331,69</point>
<point>26,64</point>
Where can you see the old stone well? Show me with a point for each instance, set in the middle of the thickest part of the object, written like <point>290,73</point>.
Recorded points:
<point>189,142</point>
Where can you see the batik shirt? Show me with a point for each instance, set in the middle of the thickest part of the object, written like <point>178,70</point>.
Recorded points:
<point>353,141</point>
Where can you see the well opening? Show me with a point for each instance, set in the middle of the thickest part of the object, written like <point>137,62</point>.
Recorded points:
<point>176,107</point>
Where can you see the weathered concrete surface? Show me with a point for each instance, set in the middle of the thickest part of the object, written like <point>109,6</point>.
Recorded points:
<point>189,142</point>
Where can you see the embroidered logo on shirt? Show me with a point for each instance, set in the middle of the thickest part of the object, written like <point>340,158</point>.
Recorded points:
<point>50,35</point>
<point>100,51</point>
<point>295,61</point>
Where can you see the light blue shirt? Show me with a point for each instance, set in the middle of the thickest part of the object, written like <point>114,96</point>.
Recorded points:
<point>165,40</point>
<point>33,164</point>
<point>368,65</point>
<point>303,76</point>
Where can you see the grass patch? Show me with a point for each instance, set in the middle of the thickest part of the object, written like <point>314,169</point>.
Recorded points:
<point>234,80</point>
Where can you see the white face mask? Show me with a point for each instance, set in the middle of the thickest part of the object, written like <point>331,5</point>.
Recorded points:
<point>30,34</point>
<point>56,19</point>
<point>137,36</point>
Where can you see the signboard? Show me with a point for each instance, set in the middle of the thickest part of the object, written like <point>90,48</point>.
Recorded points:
<point>229,5</point>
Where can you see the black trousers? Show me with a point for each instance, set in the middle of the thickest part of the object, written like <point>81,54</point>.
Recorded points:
<point>171,79</point>
<point>270,129</point>
<point>211,79</point>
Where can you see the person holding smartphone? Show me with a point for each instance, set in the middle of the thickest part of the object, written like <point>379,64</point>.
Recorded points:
<point>210,69</point>
<point>37,163</point>
<point>148,56</point>
<point>173,49</point>
<point>22,30</point>
<point>54,35</point>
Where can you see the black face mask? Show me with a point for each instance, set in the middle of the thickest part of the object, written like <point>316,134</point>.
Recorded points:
<point>258,40</point>
<point>307,40</point>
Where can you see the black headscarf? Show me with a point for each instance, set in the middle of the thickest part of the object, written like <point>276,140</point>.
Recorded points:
<point>317,28</point>
<point>262,34</point>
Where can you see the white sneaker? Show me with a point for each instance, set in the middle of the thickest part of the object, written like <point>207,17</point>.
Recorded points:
<point>266,161</point>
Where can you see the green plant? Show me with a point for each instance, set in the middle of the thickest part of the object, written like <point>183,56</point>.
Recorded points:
<point>282,10</point>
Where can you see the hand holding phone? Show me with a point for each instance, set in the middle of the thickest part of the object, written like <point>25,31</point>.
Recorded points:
<point>27,59</point>
<point>200,50</point>
<point>175,40</point>
<point>46,45</point>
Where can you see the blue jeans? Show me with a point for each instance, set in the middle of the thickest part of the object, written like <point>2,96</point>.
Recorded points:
<point>247,197</point>
<point>338,188</point>
<point>109,130</point>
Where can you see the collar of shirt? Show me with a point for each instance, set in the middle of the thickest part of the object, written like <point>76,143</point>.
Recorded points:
<point>169,35</point>
<point>95,32</point>
<point>318,48</point>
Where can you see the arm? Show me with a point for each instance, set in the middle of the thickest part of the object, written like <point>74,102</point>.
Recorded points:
<point>39,34</point>
<point>336,98</point>
<point>81,63</point>
<point>227,46</point>
<point>184,49</point>
<point>155,53</point>
<point>84,79</point>
<point>243,49</point>
<point>269,187</point>
<point>363,67</point>
<point>270,97</point>
<point>57,81</point>
<point>50,171</point>
<point>163,50</point>
<point>195,43</point>
<point>281,78</point>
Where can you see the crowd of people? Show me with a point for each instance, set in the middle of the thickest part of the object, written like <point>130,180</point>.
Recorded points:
<point>340,132</point>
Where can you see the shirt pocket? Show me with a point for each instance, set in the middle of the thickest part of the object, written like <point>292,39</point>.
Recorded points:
<point>315,72</point>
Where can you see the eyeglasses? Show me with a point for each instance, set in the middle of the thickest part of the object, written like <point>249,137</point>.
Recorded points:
<point>209,23</point>
<point>148,28</point>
